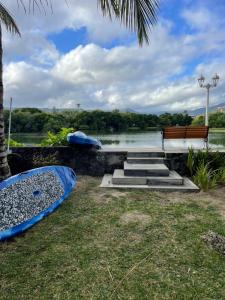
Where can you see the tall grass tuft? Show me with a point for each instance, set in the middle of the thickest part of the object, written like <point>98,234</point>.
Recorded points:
<point>204,177</point>
<point>190,160</point>
<point>220,175</point>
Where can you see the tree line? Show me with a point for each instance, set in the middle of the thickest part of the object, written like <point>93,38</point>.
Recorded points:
<point>33,120</point>
<point>216,120</point>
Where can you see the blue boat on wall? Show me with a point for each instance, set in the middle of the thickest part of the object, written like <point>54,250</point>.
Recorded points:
<point>80,138</point>
<point>28,197</point>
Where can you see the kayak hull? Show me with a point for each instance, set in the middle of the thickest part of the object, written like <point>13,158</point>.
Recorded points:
<point>79,138</point>
<point>28,197</point>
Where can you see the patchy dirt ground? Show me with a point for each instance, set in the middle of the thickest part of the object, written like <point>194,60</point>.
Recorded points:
<point>213,198</point>
<point>135,216</point>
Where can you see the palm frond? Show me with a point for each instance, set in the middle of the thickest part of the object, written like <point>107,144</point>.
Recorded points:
<point>31,5</point>
<point>137,15</point>
<point>7,19</point>
<point>109,7</point>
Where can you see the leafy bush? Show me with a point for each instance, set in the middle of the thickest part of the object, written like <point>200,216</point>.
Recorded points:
<point>58,139</point>
<point>13,143</point>
<point>190,161</point>
<point>204,177</point>
<point>220,175</point>
<point>217,160</point>
<point>206,168</point>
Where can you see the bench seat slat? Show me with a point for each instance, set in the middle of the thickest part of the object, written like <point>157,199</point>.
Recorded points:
<point>186,132</point>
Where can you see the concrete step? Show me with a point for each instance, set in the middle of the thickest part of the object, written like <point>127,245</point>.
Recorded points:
<point>188,186</point>
<point>145,169</point>
<point>145,154</point>
<point>145,160</point>
<point>173,179</point>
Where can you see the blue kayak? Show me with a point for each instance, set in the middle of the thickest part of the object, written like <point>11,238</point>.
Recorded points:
<point>80,138</point>
<point>28,197</point>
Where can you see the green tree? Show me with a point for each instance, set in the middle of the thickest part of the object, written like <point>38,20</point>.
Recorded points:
<point>217,119</point>
<point>137,15</point>
<point>166,119</point>
<point>32,110</point>
<point>199,120</point>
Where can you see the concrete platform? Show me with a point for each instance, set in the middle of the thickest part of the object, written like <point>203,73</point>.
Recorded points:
<point>145,169</point>
<point>145,153</point>
<point>174,150</point>
<point>145,160</point>
<point>188,186</point>
<point>173,179</point>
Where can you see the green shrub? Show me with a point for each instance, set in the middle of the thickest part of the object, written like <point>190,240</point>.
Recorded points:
<point>204,177</point>
<point>220,175</point>
<point>13,143</point>
<point>217,160</point>
<point>58,139</point>
<point>191,160</point>
<point>201,157</point>
<point>206,168</point>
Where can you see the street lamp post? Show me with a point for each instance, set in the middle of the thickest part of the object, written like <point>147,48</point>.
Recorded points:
<point>214,83</point>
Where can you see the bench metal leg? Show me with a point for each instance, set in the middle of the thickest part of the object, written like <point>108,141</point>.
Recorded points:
<point>163,146</point>
<point>207,144</point>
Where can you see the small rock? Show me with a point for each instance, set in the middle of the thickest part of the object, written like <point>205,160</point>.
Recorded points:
<point>215,240</point>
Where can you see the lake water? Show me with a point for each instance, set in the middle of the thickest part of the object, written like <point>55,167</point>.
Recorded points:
<point>150,139</point>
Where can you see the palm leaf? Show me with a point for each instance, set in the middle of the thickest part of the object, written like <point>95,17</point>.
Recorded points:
<point>31,5</point>
<point>7,19</point>
<point>137,15</point>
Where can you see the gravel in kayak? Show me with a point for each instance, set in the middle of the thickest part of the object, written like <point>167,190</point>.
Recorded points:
<point>27,198</point>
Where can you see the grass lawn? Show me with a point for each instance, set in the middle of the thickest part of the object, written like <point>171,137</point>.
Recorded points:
<point>217,130</point>
<point>111,244</point>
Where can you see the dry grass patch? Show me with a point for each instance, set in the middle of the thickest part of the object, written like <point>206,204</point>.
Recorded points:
<point>214,198</point>
<point>106,195</point>
<point>118,194</point>
<point>101,196</point>
<point>190,217</point>
<point>135,217</point>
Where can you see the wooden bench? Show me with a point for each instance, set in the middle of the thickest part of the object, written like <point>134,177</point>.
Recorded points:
<point>185,132</point>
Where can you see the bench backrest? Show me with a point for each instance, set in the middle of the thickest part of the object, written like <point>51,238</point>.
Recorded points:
<point>186,132</point>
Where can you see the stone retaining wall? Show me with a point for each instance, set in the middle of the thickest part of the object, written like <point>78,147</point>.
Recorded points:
<point>84,162</point>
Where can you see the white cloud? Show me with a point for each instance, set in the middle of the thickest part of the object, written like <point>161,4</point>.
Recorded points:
<point>146,79</point>
<point>93,77</point>
<point>198,18</point>
<point>35,27</point>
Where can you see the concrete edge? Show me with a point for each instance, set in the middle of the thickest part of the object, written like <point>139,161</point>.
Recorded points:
<point>188,186</point>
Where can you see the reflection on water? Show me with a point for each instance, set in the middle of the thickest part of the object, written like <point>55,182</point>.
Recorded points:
<point>28,138</point>
<point>151,139</point>
<point>110,142</point>
<point>218,139</point>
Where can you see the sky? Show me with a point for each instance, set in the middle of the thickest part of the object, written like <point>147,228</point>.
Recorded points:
<point>75,55</point>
